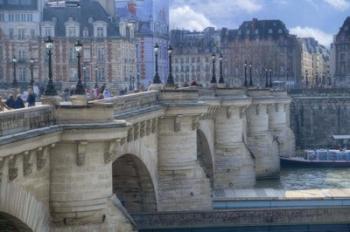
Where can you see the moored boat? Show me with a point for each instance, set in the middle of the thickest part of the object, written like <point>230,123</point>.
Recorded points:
<point>319,158</point>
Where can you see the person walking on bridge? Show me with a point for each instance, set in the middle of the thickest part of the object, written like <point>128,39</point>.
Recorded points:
<point>3,106</point>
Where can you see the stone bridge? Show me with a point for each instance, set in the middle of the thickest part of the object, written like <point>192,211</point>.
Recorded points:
<point>86,167</point>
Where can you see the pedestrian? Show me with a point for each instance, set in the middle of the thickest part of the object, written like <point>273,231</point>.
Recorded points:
<point>31,98</point>
<point>19,102</point>
<point>3,106</point>
<point>10,102</point>
<point>106,93</point>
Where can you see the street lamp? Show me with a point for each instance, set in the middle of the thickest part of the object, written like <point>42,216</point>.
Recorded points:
<point>306,79</point>
<point>96,79</point>
<point>266,78</point>
<point>221,79</point>
<point>213,79</point>
<point>156,79</point>
<point>245,74</point>
<point>250,75</point>
<point>31,83</point>
<point>14,82</point>
<point>50,88</point>
<point>270,85</point>
<point>170,81</point>
<point>79,89</point>
<point>84,75</point>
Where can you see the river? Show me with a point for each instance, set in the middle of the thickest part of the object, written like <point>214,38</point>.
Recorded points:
<point>298,178</point>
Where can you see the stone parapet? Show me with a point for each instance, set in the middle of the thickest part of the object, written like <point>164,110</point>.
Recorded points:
<point>16,121</point>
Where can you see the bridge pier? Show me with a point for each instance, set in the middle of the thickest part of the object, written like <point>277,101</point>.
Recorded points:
<point>183,184</point>
<point>81,177</point>
<point>234,164</point>
<point>279,124</point>
<point>260,139</point>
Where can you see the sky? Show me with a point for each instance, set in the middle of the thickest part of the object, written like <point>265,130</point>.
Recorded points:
<point>320,19</point>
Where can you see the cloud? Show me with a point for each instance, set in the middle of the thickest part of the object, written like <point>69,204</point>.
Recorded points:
<point>341,5</point>
<point>321,36</point>
<point>220,8</point>
<point>186,18</point>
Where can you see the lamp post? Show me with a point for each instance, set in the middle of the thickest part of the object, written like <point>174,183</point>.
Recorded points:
<point>270,84</point>
<point>14,81</point>
<point>31,83</point>
<point>79,90</point>
<point>266,78</point>
<point>213,79</point>
<point>250,75</point>
<point>306,79</point>
<point>50,88</point>
<point>156,79</point>
<point>84,75</point>
<point>96,79</point>
<point>245,74</point>
<point>170,81</point>
<point>221,79</point>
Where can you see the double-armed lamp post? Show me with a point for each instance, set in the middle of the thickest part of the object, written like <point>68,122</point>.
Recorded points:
<point>170,82</point>
<point>156,79</point>
<point>14,81</point>
<point>213,79</point>
<point>50,88</point>
<point>79,89</point>
<point>221,79</point>
<point>31,83</point>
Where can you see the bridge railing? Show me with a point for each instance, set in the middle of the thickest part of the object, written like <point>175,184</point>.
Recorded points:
<point>15,121</point>
<point>133,102</point>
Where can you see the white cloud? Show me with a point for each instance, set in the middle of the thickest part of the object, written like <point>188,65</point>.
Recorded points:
<point>186,18</point>
<point>221,8</point>
<point>321,36</point>
<point>339,4</point>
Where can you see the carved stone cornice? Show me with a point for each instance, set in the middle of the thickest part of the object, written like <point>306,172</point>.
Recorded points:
<point>28,162</point>
<point>12,169</point>
<point>111,150</point>
<point>177,123</point>
<point>195,123</point>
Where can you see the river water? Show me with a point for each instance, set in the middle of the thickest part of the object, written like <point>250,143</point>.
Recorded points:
<point>292,178</point>
<point>299,178</point>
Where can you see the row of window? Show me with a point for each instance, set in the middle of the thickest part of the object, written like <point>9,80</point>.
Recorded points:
<point>48,31</point>
<point>16,17</point>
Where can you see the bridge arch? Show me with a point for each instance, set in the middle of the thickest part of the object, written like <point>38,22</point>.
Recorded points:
<point>205,156</point>
<point>20,211</point>
<point>133,185</point>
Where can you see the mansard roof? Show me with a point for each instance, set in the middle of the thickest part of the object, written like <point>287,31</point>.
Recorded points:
<point>262,29</point>
<point>19,5</point>
<point>344,31</point>
<point>88,12</point>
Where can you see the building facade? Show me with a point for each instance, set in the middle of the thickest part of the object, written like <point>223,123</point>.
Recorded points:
<point>315,63</point>
<point>192,56</point>
<point>108,55</point>
<point>342,55</point>
<point>261,45</point>
<point>152,17</point>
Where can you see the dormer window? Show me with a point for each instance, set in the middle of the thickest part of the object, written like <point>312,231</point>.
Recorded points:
<point>270,31</point>
<point>280,31</point>
<point>248,32</point>
<point>100,29</point>
<point>256,31</point>
<point>72,28</point>
<point>72,32</point>
<point>85,32</point>
<point>100,32</point>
